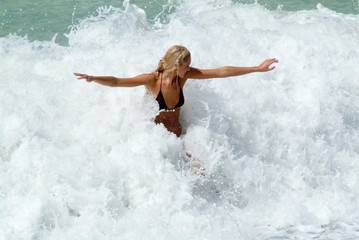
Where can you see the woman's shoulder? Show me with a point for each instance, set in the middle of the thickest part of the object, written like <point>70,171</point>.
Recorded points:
<point>151,78</point>
<point>154,76</point>
<point>148,77</point>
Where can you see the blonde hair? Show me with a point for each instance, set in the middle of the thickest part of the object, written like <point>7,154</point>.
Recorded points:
<point>175,55</point>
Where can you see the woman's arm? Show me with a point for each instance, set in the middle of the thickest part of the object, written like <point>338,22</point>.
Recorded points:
<point>143,79</point>
<point>229,71</point>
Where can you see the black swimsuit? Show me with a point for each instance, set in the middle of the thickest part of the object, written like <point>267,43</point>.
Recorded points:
<point>161,101</point>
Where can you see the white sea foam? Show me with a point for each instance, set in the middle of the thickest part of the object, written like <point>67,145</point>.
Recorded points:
<point>83,161</point>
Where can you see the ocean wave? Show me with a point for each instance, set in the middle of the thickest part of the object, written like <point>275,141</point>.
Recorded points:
<point>83,161</point>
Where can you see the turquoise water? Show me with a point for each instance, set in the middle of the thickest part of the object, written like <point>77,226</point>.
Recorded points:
<point>41,20</point>
<point>82,161</point>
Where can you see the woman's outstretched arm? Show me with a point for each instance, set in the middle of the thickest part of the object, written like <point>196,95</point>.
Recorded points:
<point>229,71</point>
<point>143,79</point>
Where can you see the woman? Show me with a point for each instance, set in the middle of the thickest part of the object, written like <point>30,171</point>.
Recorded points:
<point>166,83</point>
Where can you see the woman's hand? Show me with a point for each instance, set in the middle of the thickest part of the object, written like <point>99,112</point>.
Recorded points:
<point>80,76</point>
<point>265,66</point>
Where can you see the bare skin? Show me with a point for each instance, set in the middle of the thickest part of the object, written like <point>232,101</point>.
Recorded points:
<point>171,84</point>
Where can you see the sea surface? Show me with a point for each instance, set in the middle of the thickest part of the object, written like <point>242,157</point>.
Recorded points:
<point>83,161</point>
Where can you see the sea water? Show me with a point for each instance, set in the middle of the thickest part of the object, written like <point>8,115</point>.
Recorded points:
<point>83,161</point>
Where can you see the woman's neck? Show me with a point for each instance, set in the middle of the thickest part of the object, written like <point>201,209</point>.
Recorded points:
<point>171,76</point>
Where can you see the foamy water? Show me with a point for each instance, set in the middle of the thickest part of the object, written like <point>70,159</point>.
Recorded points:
<point>84,161</point>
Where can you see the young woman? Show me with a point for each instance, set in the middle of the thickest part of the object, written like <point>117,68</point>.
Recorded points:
<point>166,83</point>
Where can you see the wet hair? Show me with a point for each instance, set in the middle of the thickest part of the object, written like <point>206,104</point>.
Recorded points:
<point>175,54</point>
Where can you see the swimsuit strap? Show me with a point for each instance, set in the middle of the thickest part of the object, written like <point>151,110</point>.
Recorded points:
<point>160,99</point>
<point>161,81</point>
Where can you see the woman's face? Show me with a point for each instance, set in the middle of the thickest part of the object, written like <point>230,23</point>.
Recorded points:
<point>184,68</point>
